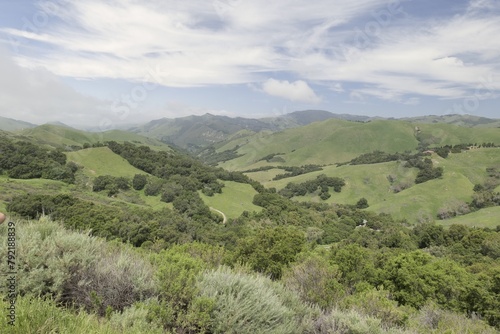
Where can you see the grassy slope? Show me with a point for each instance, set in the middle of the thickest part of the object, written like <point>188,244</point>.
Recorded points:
<point>488,217</point>
<point>235,198</point>
<point>335,141</point>
<point>447,134</point>
<point>102,161</point>
<point>420,202</point>
<point>60,136</point>
<point>325,143</point>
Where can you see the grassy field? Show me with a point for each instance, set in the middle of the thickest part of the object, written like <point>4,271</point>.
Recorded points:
<point>235,198</point>
<point>488,217</point>
<point>102,161</point>
<point>419,202</point>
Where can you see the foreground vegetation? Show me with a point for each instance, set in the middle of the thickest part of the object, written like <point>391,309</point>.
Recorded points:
<point>72,282</point>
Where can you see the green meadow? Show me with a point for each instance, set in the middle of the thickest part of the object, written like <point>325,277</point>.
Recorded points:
<point>102,161</point>
<point>235,198</point>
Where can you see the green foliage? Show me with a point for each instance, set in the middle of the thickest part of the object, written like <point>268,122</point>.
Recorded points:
<point>270,250</point>
<point>432,319</point>
<point>322,181</point>
<point>362,203</point>
<point>294,171</point>
<point>315,281</point>
<point>139,181</point>
<point>250,304</point>
<point>415,278</point>
<point>78,270</point>
<point>24,160</point>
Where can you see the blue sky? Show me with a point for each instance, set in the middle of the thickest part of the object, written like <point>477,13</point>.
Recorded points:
<point>111,62</point>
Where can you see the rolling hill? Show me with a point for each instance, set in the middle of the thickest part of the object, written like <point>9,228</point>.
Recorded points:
<point>62,136</point>
<point>335,141</point>
<point>9,124</point>
<point>195,132</point>
<point>419,202</point>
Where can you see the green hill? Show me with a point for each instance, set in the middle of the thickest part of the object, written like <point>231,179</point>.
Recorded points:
<point>64,136</point>
<point>334,141</point>
<point>323,143</point>
<point>235,198</point>
<point>102,161</point>
<point>9,124</point>
<point>419,202</point>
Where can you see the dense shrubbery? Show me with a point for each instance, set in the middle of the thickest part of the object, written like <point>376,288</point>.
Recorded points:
<point>295,171</point>
<point>364,284</point>
<point>321,182</point>
<point>24,160</point>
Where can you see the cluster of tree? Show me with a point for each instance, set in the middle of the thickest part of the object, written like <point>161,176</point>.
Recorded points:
<point>112,184</point>
<point>426,169</point>
<point>189,222</point>
<point>272,157</point>
<point>211,157</point>
<point>295,171</point>
<point>321,182</point>
<point>24,160</point>
<point>484,196</point>
<point>376,157</point>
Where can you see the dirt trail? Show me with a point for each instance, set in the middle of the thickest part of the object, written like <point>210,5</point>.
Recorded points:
<point>224,218</point>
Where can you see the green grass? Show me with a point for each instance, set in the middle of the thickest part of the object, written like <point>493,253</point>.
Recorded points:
<point>326,143</point>
<point>488,217</point>
<point>235,198</point>
<point>419,202</point>
<point>334,141</point>
<point>102,161</point>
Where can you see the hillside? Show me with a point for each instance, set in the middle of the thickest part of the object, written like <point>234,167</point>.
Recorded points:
<point>335,141</point>
<point>102,161</point>
<point>9,124</point>
<point>322,143</point>
<point>459,120</point>
<point>196,132</point>
<point>419,202</point>
<point>60,136</point>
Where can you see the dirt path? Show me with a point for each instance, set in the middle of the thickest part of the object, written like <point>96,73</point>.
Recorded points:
<point>224,218</point>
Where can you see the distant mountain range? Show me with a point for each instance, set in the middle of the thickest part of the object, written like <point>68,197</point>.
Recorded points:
<point>197,132</point>
<point>9,124</point>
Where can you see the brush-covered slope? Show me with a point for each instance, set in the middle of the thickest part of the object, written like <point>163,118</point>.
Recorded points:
<point>64,136</point>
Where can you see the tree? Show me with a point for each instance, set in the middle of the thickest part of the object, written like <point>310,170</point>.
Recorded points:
<point>139,181</point>
<point>362,203</point>
<point>270,249</point>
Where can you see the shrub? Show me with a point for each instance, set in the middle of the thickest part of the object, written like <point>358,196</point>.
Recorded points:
<point>79,270</point>
<point>250,304</point>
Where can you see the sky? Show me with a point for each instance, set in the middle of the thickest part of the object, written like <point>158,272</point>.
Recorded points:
<point>108,63</point>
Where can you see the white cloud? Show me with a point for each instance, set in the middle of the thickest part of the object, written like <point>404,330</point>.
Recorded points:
<point>390,55</point>
<point>39,96</point>
<point>298,91</point>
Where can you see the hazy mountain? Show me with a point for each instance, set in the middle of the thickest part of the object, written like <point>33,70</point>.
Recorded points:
<point>456,119</point>
<point>9,124</point>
